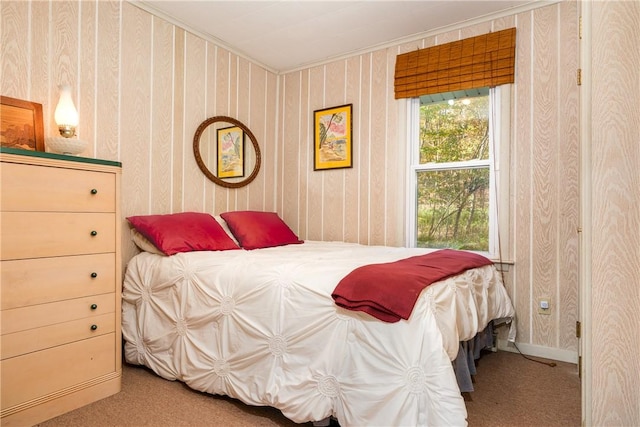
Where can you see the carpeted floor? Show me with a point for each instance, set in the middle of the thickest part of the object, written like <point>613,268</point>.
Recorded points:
<point>524,393</point>
<point>510,391</point>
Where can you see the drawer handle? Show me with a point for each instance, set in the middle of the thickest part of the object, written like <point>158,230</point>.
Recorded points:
<point>94,327</point>
<point>94,275</point>
<point>94,233</point>
<point>94,306</point>
<point>94,191</point>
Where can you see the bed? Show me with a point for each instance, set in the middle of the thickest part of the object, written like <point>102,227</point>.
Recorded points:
<point>260,324</point>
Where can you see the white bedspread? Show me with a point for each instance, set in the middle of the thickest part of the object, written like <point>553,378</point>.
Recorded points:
<point>261,326</point>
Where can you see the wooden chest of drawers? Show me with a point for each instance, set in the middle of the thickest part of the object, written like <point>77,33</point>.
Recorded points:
<point>60,281</point>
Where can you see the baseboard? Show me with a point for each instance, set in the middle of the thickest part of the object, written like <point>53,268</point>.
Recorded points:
<point>557,354</point>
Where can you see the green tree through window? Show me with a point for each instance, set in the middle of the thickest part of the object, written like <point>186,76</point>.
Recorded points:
<point>453,176</point>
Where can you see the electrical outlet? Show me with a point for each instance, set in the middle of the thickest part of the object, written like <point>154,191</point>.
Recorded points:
<point>544,305</point>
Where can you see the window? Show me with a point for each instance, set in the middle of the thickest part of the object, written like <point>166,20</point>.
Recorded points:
<point>457,187</point>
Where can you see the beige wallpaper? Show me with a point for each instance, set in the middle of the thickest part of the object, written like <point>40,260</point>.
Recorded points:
<point>612,163</point>
<point>365,203</point>
<point>142,86</point>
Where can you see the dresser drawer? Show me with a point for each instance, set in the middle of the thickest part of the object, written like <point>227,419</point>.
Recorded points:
<point>50,189</point>
<point>53,269</point>
<point>41,280</point>
<point>37,316</point>
<point>24,342</point>
<point>44,372</point>
<point>45,234</point>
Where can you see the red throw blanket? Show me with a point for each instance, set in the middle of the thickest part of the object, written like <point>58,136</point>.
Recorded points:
<point>389,291</point>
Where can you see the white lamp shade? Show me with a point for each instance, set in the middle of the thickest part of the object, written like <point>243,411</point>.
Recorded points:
<point>66,113</point>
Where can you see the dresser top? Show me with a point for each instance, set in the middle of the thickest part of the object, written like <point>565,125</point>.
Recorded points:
<point>45,155</point>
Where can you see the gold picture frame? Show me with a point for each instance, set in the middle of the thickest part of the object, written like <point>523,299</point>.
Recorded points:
<point>21,124</point>
<point>332,138</point>
<point>230,144</point>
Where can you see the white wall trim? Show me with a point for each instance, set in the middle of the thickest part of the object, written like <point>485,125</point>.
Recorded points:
<point>551,353</point>
<point>585,274</point>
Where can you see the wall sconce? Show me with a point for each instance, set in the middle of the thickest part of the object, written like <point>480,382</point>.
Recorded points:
<point>66,117</point>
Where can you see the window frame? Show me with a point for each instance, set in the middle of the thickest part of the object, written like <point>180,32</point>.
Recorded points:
<point>498,162</point>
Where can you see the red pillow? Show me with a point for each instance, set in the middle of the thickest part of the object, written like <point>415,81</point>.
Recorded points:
<point>183,232</point>
<point>255,230</point>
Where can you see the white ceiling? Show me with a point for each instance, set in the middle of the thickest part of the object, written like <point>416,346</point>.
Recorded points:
<point>284,35</point>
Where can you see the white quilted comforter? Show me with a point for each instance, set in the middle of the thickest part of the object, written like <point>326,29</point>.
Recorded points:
<point>261,326</point>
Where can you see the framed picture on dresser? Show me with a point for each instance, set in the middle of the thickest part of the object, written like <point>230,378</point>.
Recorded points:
<point>21,124</point>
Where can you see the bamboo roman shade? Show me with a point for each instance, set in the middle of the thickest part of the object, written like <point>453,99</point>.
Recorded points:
<point>486,60</point>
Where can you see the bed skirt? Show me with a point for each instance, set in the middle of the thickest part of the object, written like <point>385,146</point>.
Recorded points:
<point>464,364</point>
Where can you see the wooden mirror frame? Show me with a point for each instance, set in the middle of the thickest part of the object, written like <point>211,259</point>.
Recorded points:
<point>203,167</point>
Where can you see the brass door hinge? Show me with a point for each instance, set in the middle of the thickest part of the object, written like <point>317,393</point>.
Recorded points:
<point>579,366</point>
<point>578,329</point>
<point>580,28</point>
<point>579,77</point>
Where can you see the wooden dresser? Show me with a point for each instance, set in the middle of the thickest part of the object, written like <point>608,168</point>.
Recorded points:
<point>60,274</point>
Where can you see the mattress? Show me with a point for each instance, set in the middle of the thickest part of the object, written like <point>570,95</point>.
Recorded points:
<point>261,326</point>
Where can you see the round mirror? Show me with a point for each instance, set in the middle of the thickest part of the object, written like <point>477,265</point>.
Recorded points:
<point>226,151</point>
